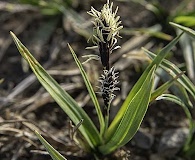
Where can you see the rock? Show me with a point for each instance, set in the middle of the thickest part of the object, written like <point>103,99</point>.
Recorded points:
<point>156,157</point>
<point>143,140</point>
<point>172,141</point>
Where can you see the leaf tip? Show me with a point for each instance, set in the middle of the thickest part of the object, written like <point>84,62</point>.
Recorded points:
<point>171,23</point>
<point>37,133</point>
<point>69,47</point>
<point>12,34</point>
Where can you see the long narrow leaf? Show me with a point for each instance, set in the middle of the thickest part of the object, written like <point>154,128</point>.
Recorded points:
<point>132,118</point>
<point>65,101</point>
<point>188,49</point>
<point>55,155</point>
<point>174,70</point>
<point>90,90</point>
<point>138,85</point>
<point>190,153</point>
<point>164,87</point>
<point>185,20</point>
<point>187,30</point>
<point>174,99</point>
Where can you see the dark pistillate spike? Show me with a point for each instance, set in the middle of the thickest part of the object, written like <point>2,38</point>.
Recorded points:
<point>108,82</point>
<point>104,55</point>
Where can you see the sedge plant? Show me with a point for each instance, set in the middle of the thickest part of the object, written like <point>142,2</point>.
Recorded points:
<point>122,128</point>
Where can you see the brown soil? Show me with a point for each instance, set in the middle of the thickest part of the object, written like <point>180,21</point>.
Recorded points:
<point>25,105</point>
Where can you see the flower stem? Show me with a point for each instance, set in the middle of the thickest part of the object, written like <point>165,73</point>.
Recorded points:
<point>106,116</point>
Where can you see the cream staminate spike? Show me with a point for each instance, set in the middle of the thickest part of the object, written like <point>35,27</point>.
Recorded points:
<point>106,25</point>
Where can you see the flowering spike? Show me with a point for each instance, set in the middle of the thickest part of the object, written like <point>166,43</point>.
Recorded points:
<point>106,29</point>
<point>108,82</point>
<point>105,33</point>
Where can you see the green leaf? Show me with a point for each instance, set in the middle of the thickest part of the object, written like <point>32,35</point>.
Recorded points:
<point>1,80</point>
<point>65,101</point>
<point>146,78</point>
<point>174,99</point>
<point>139,83</point>
<point>185,20</point>
<point>164,87</point>
<point>173,70</point>
<point>134,112</point>
<point>90,90</point>
<point>55,155</point>
<point>187,30</point>
<point>162,54</point>
<point>188,49</point>
<point>190,151</point>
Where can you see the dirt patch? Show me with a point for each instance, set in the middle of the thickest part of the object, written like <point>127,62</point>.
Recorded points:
<point>25,105</point>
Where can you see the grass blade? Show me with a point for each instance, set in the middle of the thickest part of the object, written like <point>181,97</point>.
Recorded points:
<point>55,155</point>
<point>173,70</point>
<point>174,99</point>
<point>188,47</point>
<point>136,109</point>
<point>187,30</point>
<point>65,101</point>
<point>90,90</point>
<point>159,91</point>
<point>139,83</point>
<point>118,120</point>
<point>185,20</point>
